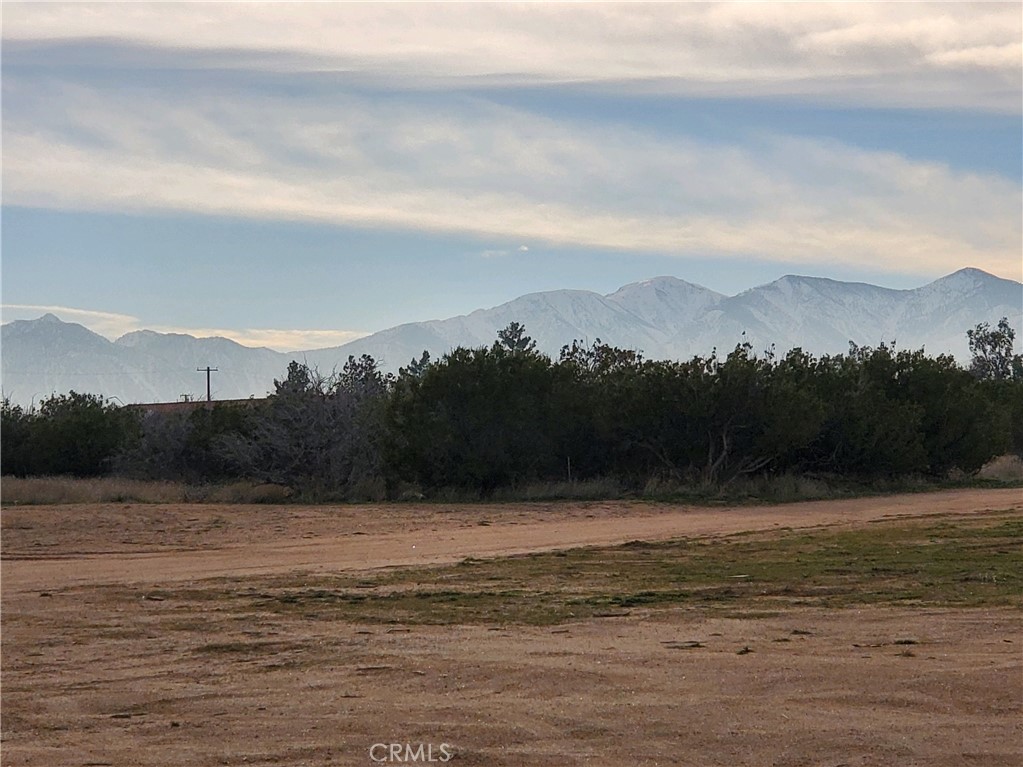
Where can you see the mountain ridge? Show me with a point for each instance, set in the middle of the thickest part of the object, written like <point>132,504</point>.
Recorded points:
<point>664,317</point>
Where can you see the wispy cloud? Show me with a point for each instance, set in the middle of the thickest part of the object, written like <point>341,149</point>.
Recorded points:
<point>504,252</point>
<point>472,167</point>
<point>277,339</point>
<point>909,54</point>
<point>112,325</point>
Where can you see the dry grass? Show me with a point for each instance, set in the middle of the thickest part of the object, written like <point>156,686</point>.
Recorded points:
<point>577,490</point>
<point>59,490</point>
<point>775,489</point>
<point>63,490</point>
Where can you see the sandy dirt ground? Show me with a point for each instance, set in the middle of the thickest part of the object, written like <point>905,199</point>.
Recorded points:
<point>94,673</point>
<point>51,547</point>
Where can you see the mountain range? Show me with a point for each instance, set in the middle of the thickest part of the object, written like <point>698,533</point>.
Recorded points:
<point>664,317</point>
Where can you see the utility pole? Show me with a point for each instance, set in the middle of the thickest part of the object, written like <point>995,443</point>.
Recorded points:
<point>208,370</point>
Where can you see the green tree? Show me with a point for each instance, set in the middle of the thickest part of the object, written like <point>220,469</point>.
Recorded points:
<point>476,419</point>
<point>416,367</point>
<point>992,352</point>
<point>594,390</point>
<point>77,434</point>
<point>514,339</point>
<point>15,430</point>
<point>870,430</point>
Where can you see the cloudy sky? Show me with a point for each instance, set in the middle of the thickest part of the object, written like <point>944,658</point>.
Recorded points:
<point>295,175</point>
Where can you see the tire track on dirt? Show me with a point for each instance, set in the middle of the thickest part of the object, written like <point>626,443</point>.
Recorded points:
<point>419,542</point>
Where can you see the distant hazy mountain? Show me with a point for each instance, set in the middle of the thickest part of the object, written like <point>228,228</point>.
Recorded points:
<point>664,318</point>
<point>46,356</point>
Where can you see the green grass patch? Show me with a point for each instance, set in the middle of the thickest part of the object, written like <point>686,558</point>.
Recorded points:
<point>947,562</point>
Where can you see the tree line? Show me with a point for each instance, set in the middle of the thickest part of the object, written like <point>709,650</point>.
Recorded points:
<point>503,416</point>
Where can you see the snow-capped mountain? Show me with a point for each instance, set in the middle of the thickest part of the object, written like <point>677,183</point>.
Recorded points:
<point>663,317</point>
<point>668,318</point>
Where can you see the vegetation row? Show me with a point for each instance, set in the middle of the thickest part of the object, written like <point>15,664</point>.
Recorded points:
<point>486,421</point>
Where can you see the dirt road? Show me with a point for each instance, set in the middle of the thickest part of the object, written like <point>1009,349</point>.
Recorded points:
<point>56,547</point>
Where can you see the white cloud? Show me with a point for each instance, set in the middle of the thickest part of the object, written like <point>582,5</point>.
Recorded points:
<point>913,54</point>
<point>492,171</point>
<point>981,56</point>
<point>113,325</point>
<point>272,338</point>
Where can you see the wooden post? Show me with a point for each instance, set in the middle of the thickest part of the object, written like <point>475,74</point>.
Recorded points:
<point>208,369</point>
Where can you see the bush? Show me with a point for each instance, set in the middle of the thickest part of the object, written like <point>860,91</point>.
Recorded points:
<point>70,434</point>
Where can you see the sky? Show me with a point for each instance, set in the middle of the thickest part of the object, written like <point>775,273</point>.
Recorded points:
<point>298,175</point>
